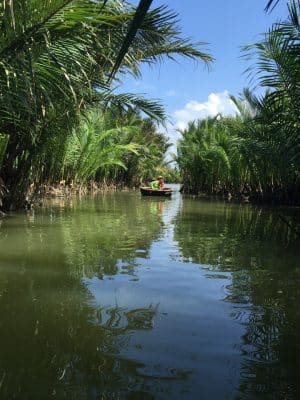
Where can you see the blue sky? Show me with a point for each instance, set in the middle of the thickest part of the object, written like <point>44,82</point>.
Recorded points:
<point>189,90</point>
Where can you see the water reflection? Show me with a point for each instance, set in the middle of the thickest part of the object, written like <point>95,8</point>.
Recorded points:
<point>109,235</point>
<point>66,348</point>
<point>57,341</point>
<point>122,297</point>
<point>263,258</point>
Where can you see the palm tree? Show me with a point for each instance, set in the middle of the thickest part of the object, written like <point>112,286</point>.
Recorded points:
<point>59,57</point>
<point>278,71</point>
<point>258,151</point>
<point>95,148</point>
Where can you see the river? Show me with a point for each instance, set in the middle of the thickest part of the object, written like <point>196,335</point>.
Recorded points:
<point>115,296</point>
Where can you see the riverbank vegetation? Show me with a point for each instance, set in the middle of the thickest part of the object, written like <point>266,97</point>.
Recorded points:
<point>254,155</point>
<point>106,149</point>
<point>60,63</point>
<point>62,123</point>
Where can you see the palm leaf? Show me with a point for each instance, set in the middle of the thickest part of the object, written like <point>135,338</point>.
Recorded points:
<point>136,22</point>
<point>271,4</point>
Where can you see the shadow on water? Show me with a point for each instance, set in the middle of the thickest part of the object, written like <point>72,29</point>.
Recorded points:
<point>122,297</point>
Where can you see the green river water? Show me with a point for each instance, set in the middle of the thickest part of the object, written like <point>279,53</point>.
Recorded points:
<point>121,297</point>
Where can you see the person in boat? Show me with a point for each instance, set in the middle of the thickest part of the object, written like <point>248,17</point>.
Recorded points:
<point>158,183</point>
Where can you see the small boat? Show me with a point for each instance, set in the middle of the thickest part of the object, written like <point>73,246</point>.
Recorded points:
<point>148,191</point>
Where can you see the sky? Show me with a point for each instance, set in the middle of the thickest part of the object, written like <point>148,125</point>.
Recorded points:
<point>189,90</point>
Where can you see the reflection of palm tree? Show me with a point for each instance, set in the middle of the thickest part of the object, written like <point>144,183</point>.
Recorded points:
<point>141,318</point>
<point>57,342</point>
<point>270,345</point>
<point>264,288</point>
<point>220,235</point>
<point>110,232</point>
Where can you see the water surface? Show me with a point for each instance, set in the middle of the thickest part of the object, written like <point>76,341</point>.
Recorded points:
<point>121,297</point>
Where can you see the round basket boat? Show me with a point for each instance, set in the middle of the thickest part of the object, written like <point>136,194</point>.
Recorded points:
<point>148,191</point>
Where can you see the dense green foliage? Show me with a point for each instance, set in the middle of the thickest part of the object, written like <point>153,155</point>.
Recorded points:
<point>256,153</point>
<point>58,59</point>
<point>107,148</point>
<point>209,155</point>
<point>3,144</point>
<point>60,119</point>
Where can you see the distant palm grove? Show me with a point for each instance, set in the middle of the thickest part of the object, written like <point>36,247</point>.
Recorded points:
<point>62,120</point>
<point>256,154</point>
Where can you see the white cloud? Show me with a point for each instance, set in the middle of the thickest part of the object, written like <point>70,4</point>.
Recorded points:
<point>215,104</point>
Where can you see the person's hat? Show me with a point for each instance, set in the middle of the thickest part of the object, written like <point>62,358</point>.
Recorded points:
<point>160,177</point>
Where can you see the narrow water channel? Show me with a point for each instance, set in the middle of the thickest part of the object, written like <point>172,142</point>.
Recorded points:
<point>121,297</point>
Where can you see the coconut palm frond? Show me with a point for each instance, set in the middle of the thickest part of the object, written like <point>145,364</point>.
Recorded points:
<point>271,5</point>
<point>132,101</point>
<point>136,22</point>
<point>160,36</point>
